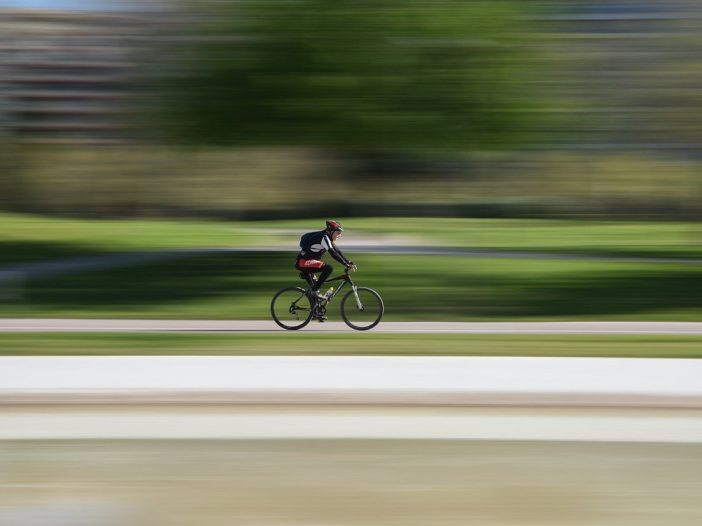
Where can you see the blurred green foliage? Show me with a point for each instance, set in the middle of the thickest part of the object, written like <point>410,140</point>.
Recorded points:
<point>276,182</point>
<point>352,74</point>
<point>384,108</point>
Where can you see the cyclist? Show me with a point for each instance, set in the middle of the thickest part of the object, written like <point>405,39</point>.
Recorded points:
<point>312,246</point>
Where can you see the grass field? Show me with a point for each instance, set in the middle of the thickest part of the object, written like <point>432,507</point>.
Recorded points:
<point>30,238</point>
<point>33,238</point>
<point>537,235</point>
<point>240,286</point>
<point>287,343</point>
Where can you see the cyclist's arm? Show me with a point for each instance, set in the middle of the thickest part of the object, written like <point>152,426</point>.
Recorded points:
<point>335,252</point>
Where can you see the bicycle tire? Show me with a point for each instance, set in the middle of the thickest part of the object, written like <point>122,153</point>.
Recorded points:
<point>379,306</point>
<point>285,324</point>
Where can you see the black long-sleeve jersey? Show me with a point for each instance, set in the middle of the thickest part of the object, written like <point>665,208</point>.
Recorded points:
<point>314,244</point>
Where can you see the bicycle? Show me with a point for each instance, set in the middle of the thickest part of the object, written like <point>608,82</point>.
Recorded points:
<point>361,308</point>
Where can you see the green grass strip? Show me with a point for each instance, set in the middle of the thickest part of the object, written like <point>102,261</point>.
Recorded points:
<point>25,237</point>
<point>364,344</point>
<point>414,288</point>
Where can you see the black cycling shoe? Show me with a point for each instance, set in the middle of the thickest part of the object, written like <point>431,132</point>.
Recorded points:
<point>319,312</point>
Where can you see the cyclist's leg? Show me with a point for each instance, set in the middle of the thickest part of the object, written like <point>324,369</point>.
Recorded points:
<point>310,267</point>
<point>308,277</point>
<point>327,269</point>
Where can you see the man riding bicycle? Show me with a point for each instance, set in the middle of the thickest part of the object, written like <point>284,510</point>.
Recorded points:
<point>312,246</point>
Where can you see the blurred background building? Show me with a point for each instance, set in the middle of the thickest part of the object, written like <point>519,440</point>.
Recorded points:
<point>69,76</point>
<point>633,67</point>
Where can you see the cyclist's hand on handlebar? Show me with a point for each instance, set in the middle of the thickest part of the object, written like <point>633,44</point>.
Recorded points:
<point>351,266</point>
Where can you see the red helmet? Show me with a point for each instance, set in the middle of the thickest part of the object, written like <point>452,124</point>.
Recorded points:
<point>334,226</point>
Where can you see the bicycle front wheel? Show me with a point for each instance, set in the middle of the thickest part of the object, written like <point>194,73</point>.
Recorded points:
<point>362,309</point>
<point>291,308</point>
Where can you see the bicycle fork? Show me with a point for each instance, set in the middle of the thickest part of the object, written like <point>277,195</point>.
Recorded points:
<point>355,295</point>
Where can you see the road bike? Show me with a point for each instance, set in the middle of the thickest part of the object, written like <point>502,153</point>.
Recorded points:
<point>294,307</point>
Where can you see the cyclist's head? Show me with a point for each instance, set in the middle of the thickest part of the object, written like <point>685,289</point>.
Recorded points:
<point>334,226</point>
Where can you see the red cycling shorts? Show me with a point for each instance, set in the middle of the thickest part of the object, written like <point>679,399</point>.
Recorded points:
<point>309,263</point>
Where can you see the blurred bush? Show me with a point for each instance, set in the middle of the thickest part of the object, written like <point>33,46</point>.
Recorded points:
<point>351,74</point>
<point>269,182</point>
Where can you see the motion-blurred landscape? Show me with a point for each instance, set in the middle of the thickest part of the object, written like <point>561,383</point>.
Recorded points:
<point>529,162</point>
<point>554,132</point>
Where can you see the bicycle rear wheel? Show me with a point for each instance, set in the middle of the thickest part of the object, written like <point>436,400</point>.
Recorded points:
<point>362,309</point>
<point>291,308</point>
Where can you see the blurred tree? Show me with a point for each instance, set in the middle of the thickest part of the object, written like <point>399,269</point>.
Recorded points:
<point>353,75</point>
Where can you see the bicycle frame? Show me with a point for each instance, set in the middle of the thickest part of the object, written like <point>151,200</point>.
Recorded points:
<point>344,278</point>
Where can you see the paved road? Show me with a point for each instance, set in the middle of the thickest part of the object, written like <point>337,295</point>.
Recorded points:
<point>264,326</point>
